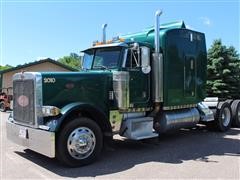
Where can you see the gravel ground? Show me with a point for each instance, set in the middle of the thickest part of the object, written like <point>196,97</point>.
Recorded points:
<point>190,154</point>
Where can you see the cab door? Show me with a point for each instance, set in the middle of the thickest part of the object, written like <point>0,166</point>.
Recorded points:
<point>139,82</point>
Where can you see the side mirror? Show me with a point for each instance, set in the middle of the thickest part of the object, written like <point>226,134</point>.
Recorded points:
<point>145,63</point>
<point>81,60</point>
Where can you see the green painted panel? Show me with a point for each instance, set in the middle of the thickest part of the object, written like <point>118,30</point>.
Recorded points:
<point>184,83</point>
<point>87,87</point>
<point>184,67</point>
<point>147,35</point>
<point>184,74</point>
<point>139,88</point>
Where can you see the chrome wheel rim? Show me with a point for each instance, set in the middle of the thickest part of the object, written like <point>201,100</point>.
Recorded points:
<point>81,143</point>
<point>226,117</point>
<point>1,106</point>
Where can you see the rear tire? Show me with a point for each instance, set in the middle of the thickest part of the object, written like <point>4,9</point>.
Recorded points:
<point>236,113</point>
<point>223,117</point>
<point>79,142</point>
<point>229,101</point>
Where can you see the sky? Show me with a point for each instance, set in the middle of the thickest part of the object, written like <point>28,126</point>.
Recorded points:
<point>34,29</point>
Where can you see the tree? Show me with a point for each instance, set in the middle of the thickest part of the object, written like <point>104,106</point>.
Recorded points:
<point>73,60</point>
<point>223,71</point>
<point>5,67</point>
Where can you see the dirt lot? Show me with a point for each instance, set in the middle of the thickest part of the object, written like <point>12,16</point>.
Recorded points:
<point>192,154</point>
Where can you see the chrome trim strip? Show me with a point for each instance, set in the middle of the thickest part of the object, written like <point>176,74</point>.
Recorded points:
<point>121,88</point>
<point>38,99</point>
<point>125,58</point>
<point>179,107</point>
<point>136,110</point>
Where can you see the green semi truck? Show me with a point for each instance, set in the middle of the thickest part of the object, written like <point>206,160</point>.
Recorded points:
<point>138,85</point>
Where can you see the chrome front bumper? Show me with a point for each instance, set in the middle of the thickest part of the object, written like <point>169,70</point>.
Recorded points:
<point>37,140</point>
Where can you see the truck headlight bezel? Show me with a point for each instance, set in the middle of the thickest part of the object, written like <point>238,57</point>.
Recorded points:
<point>50,111</point>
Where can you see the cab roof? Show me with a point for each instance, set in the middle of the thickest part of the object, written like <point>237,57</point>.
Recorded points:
<point>123,44</point>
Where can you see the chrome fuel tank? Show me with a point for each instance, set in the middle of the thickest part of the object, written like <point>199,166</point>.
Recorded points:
<point>173,120</point>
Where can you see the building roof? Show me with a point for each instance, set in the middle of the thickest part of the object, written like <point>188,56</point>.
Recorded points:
<point>36,63</point>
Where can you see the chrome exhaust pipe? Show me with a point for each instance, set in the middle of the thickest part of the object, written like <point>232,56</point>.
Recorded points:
<point>157,64</point>
<point>104,26</point>
<point>157,24</point>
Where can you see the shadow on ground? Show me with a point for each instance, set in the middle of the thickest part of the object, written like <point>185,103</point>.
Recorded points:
<point>197,144</point>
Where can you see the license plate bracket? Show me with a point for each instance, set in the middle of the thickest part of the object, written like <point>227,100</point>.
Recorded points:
<point>23,133</point>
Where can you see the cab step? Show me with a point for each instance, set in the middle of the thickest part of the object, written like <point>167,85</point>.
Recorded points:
<point>138,128</point>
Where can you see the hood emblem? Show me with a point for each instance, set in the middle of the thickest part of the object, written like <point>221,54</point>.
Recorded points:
<point>23,101</point>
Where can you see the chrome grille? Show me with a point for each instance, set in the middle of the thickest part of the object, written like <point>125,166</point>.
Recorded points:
<point>23,102</point>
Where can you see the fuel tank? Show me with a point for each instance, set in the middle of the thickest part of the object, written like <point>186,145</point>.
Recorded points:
<point>173,120</point>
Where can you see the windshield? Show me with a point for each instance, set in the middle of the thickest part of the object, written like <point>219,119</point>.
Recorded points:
<point>107,58</point>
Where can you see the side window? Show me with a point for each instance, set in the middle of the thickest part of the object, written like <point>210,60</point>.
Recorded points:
<point>87,60</point>
<point>132,59</point>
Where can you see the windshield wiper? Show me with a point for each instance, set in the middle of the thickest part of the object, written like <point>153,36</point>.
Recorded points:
<point>102,67</point>
<point>85,69</point>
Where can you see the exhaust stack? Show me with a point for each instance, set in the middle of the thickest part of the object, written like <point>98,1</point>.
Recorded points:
<point>104,26</point>
<point>157,26</point>
<point>157,63</point>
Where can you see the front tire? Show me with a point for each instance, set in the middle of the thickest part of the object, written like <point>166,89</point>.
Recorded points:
<point>79,142</point>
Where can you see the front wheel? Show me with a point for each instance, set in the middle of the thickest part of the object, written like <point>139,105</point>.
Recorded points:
<point>79,142</point>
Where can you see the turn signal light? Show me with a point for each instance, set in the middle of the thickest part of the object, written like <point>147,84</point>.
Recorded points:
<point>50,111</point>
<point>121,39</point>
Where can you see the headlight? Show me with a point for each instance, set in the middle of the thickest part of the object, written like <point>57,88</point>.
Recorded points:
<point>50,111</point>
